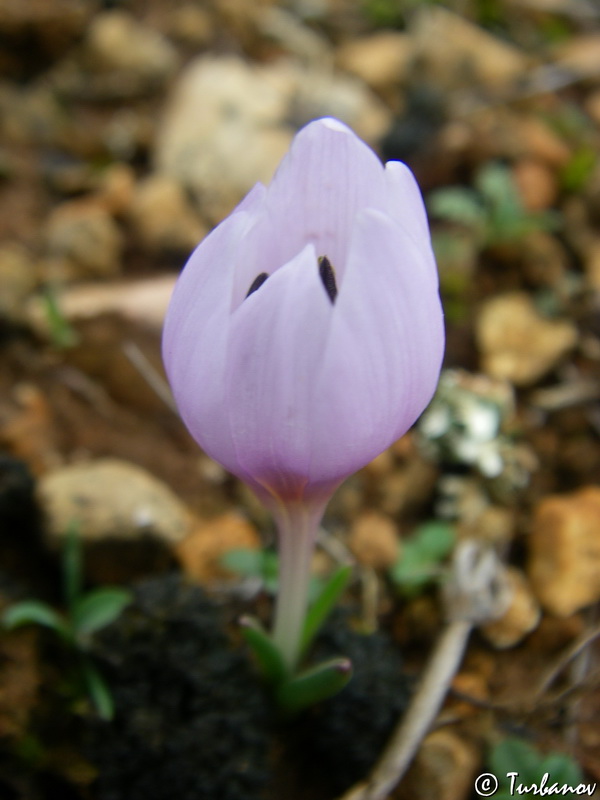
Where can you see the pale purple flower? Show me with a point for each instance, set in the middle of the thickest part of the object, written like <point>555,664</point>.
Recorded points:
<point>288,389</point>
<point>305,334</point>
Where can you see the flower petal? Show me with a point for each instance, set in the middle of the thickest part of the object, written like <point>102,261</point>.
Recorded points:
<point>405,206</point>
<point>195,335</point>
<point>384,350</point>
<point>276,339</point>
<point>328,176</point>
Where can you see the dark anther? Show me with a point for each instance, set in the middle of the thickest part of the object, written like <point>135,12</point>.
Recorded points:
<point>257,282</point>
<point>327,274</point>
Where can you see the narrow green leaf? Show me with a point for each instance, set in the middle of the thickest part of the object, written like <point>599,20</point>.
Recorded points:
<point>72,565</point>
<point>99,608</point>
<point>314,685</point>
<point>421,556</point>
<point>457,205</point>
<point>562,768</point>
<point>36,612</point>
<point>97,689</point>
<point>323,604</point>
<point>268,656</point>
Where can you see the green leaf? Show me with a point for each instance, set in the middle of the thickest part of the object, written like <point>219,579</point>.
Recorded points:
<point>562,769</point>
<point>265,566</point>
<point>72,565</point>
<point>314,685</point>
<point>269,658</point>
<point>459,205</point>
<point>323,604</point>
<point>250,563</point>
<point>99,608</point>
<point>97,690</point>
<point>35,612</point>
<point>516,755</point>
<point>421,556</point>
<point>63,335</point>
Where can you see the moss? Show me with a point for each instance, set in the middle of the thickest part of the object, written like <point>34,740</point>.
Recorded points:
<point>342,738</point>
<point>191,719</point>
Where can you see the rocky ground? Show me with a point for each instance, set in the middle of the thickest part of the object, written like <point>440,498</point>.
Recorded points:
<point>128,129</point>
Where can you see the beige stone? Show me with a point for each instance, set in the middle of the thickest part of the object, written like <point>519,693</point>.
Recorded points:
<point>564,551</point>
<point>221,131</point>
<point>374,540</point>
<point>117,41</point>
<point>444,769</point>
<point>381,60</point>
<point>127,519</point>
<point>592,265</point>
<point>518,344</point>
<point>116,188</point>
<point>226,125</point>
<point>86,236</point>
<point>458,52</point>
<point>144,302</point>
<point>201,552</point>
<point>521,617</point>
<point>580,55</point>
<point>537,140</point>
<point>163,216</point>
<point>18,278</point>
<point>536,183</point>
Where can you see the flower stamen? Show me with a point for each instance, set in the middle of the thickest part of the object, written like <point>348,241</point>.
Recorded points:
<point>327,273</point>
<point>257,283</point>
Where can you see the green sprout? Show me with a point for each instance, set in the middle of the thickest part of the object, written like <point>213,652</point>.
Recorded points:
<point>420,560</point>
<point>293,692</point>
<point>492,211</point>
<point>85,613</point>
<point>514,755</point>
<point>62,333</point>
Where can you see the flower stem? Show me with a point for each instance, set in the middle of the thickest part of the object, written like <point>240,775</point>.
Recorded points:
<point>297,525</point>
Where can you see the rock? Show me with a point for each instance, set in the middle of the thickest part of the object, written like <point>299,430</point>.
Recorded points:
<point>535,139</point>
<point>191,25</point>
<point>374,540</point>
<point>115,189</point>
<point>118,43</point>
<point>579,55</point>
<point>200,553</point>
<point>516,343</point>
<point>28,429</point>
<point>521,617</point>
<point>85,241</point>
<point>592,265</point>
<point>143,302</point>
<point>294,36</point>
<point>127,519</point>
<point>320,94</point>
<point>222,131</point>
<point>163,217</point>
<point>592,106</point>
<point>18,278</point>
<point>227,124</point>
<point>381,60</point>
<point>444,768</point>
<point>564,551</point>
<point>536,183</point>
<point>469,53</point>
